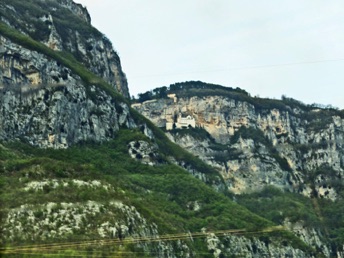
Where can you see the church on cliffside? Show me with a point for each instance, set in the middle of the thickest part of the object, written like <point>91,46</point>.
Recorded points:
<point>182,122</point>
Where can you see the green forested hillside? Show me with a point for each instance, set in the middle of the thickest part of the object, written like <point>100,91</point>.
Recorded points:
<point>162,194</point>
<point>277,206</point>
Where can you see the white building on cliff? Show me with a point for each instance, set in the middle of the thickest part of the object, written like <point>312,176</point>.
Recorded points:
<point>182,122</point>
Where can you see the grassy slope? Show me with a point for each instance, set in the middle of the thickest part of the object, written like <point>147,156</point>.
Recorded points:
<point>161,193</point>
<point>323,214</point>
<point>87,161</point>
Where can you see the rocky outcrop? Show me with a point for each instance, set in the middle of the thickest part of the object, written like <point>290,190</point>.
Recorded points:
<point>255,143</point>
<point>120,223</point>
<point>47,23</point>
<point>254,147</point>
<point>43,102</point>
<point>311,236</point>
<point>116,221</point>
<point>236,246</point>
<point>144,152</point>
<point>47,105</point>
<point>77,9</point>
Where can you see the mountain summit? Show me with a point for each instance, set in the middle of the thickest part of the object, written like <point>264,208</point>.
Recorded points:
<point>56,74</point>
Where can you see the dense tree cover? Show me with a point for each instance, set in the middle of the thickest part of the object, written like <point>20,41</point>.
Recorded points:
<point>185,86</point>
<point>188,88</point>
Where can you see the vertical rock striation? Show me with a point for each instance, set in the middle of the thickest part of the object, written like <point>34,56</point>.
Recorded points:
<point>254,146</point>
<point>65,26</point>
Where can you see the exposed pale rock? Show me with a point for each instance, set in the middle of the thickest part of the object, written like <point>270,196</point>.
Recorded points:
<point>77,9</point>
<point>309,235</point>
<point>57,112</point>
<point>144,152</point>
<point>293,147</point>
<point>93,50</point>
<point>63,219</point>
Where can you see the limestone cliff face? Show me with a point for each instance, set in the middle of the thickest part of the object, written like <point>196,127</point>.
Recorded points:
<point>43,101</point>
<point>259,147</point>
<point>255,143</point>
<point>48,106</point>
<point>63,26</point>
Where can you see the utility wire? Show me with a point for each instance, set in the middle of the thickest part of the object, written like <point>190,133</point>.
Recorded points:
<point>242,68</point>
<point>169,237</point>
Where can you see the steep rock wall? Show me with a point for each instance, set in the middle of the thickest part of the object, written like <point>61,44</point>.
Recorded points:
<point>281,146</point>
<point>65,26</point>
<point>46,104</point>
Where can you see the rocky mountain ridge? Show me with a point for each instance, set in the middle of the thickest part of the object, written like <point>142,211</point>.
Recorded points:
<point>47,22</point>
<point>254,146</point>
<point>47,104</point>
<point>78,165</point>
<point>44,100</point>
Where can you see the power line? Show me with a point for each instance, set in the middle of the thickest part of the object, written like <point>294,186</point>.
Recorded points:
<point>33,249</point>
<point>242,68</point>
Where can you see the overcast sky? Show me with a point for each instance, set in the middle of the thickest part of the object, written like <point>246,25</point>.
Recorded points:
<point>267,47</point>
